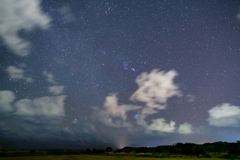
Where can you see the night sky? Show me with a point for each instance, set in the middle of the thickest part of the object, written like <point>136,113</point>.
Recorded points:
<point>90,73</point>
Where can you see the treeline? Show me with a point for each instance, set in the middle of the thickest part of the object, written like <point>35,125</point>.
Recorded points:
<point>189,148</point>
<point>219,149</point>
<point>179,148</point>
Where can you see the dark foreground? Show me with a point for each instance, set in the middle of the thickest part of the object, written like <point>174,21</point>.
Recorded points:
<point>178,151</point>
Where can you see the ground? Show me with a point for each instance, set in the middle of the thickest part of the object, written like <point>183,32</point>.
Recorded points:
<point>97,157</point>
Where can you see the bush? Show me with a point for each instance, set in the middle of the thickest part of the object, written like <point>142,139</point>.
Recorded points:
<point>233,149</point>
<point>32,151</point>
<point>88,150</point>
<point>3,153</point>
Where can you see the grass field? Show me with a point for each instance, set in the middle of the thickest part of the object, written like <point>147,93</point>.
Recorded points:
<point>97,157</point>
<point>82,155</point>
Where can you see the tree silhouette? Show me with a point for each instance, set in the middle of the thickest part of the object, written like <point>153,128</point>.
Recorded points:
<point>108,149</point>
<point>234,149</point>
<point>88,150</point>
<point>94,150</point>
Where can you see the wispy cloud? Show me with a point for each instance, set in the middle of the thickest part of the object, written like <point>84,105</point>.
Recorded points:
<point>66,14</point>
<point>56,90</point>
<point>19,15</point>
<point>49,76</point>
<point>18,74</point>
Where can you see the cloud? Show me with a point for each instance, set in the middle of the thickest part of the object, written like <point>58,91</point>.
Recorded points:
<point>56,90</point>
<point>161,126</point>
<point>238,16</point>
<point>224,115</point>
<point>185,128</point>
<point>75,121</point>
<point>113,110</point>
<point>19,15</point>
<point>103,117</point>
<point>49,77</point>
<point>158,124</point>
<point>67,131</point>
<point>6,98</point>
<point>66,14</point>
<point>190,98</point>
<point>17,74</point>
<point>155,88</point>
<point>48,107</point>
<point>4,127</point>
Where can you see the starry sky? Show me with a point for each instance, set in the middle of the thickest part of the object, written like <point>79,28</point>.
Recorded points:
<point>78,74</point>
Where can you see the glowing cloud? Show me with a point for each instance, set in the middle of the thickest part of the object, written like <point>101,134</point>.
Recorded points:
<point>155,88</point>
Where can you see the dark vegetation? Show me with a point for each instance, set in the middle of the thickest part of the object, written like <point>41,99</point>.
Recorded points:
<point>207,150</point>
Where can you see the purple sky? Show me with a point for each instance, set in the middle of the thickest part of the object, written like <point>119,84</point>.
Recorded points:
<point>78,74</point>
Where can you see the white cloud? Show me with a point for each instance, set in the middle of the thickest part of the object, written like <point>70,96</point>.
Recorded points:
<point>56,90</point>
<point>19,15</point>
<point>157,124</point>
<point>49,107</point>
<point>185,128</point>
<point>224,115</point>
<point>6,98</point>
<point>155,88</point>
<point>147,111</point>
<point>161,126</point>
<point>49,77</point>
<point>104,117</point>
<point>17,74</point>
<point>113,110</point>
